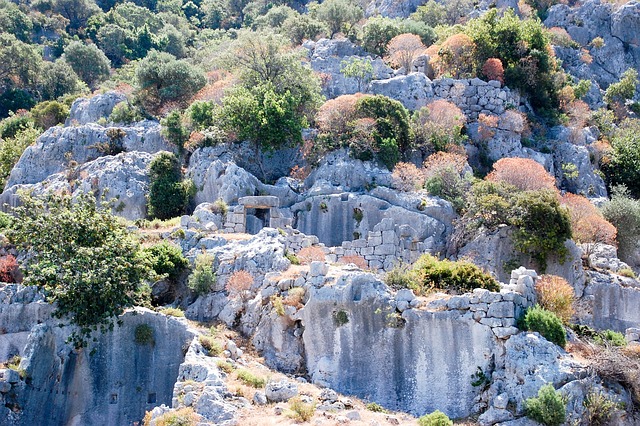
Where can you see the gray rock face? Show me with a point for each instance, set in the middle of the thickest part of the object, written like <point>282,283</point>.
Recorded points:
<point>113,385</point>
<point>341,321</point>
<point>413,90</point>
<point>618,28</point>
<point>122,178</point>
<point>393,9</point>
<point>570,160</point>
<point>59,147</point>
<point>615,302</point>
<point>90,110</point>
<point>281,391</point>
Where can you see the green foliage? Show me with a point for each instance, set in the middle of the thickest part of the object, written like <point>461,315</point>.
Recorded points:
<point>278,305</point>
<point>399,277</point>
<point>49,113</point>
<point>14,21</point>
<point>219,207</point>
<point>377,33</point>
<point>548,408</point>
<point>302,27</point>
<point>622,164</point>
<point>627,272</point>
<point>301,411</point>
<point>599,408</point>
<point>624,213</point>
<point>340,318</point>
<point>125,113</point>
<point>202,279</point>
<point>523,48</point>
<point>542,225</point>
<point>250,379</point>
<point>200,114</point>
<point>360,69</point>
<point>173,129</point>
<point>581,89</point>
<point>437,418</point>
<point>92,270</point>
<point>546,323</point>
<point>20,63</point>
<point>161,78</point>
<point>292,257</point>
<point>59,79</point>
<point>166,259</point>
<point>173,312</point>
<point>88,62</point>
<point>376,408</point>
<point>213,347</point>
<point>436,14</point>
<point>462,276</point>
<point>338,15</point>
<point>623,89</point>
<point>14,124</point>
<point>144,334</point>
<point>12,148</point>
<point>168,194</point>
<point>610,337</point>
<point>447,184</point>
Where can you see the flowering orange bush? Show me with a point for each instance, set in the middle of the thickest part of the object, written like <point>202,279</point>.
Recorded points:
<point>436,163</point>
<point>588,225</point>
<point>555,294</point>
<point>8,269</point>
<point>456,55</point>
<point>403,49</point>
<point>523,173</point>
<point>407,177</point>
<point>239,284</point>
<point>493,70</point>
<point>332,117</point>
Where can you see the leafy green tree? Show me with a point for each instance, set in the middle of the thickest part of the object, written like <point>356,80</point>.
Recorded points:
<point>161,78</point>
<point>166,259</point>
<point>20,63</point>
<point>623,89</point>
<point>113,40</point>
<point>169,195</point>
<point>49,113</point>
<point>624,213</point>
<point>392,118</point>
<point>77,12</point>
<point>360,69</point>
<point>622,165</point>
<point>14,21</point>
<point>377,33</point>
<point>88,62</point>
<point>173,129</point>
<point>12,147</point>
<point>200,114</point>
<point>92,270</point>
<point>338,15</point>
<point>58,79</point>
<point>302,27</point>
<point>432,13</point>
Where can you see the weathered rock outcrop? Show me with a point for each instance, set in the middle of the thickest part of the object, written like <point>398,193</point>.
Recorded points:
<point>90,110</point>
<point>122,179</point>
<point>112,381</point>
<point>59,148</point>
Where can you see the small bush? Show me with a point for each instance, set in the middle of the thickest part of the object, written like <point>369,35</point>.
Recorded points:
<point>239,284</point>
<point>546,323</point>
<point>181,417</point>
<point>295,296</point>
<point>407,177</point>
<point>220,207</point>
<point>49,113</point>
<point>461,276</point>
<point>250,379</point>
<point>399,277</point>
<point>168,194</point>
<point>610,337</point>
<point>311,254</point>
<point>548,408</point>
<point>278,305</point>
<point>8,269</point>
<point>301,411</point>
<point>166,259</point>
<point>225,366</point>
<point>556,295</point>
<point>292,257</point>
<point>376,408</point>
<point>437,418</point>
<point>173,312</point>
<point>202,279</point>
<point>599,408</point>
<point>211,345</point>
<point>144,334</point>
<point>340,318</point>
<point>523,173</point>
<point>627,272</point>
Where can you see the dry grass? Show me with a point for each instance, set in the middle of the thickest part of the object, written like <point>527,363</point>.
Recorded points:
<point>311,254</point>
<point>359,261</point>
<point>556,295</point>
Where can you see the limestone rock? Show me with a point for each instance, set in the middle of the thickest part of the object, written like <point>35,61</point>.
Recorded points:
<point>412,90</point>
<point>281,391</point>
<point>90,110</point>
<point>579,178</point>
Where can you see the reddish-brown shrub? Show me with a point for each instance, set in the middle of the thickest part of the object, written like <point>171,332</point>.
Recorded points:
<point>579,112</point>
<point>560,37</point>
<point>332,117</point>
<point>438,124</point>
<point>585,56</point>
<point>556,295</point>
<point>8,269</point>
<point>487,125</point>
<point>403,49</point>
<point>587,223</point>
<point>311,254</point>
<point>493,70</point>
<point>440,161</point>
<point>446,115</point>
<point>359,261</point>
<point>455,56</point>
<point>300,173</point>
<point>407,177</point>
<point>294,298</point>
<point>239,284</point>
<point>523,173</point>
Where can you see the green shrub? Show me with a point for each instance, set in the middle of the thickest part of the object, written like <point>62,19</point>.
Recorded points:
<point>627,272</point>
<point>340,318</point>
<point>278,305</point>
<point>144,334</point>
<point>461,276</point>
<point>399,277</point>
<point>376,408</point>
<point>599,408</point>
<point>181,417</point>
<point>14,124</point>
<point>92,270</point>
<point>623,89</point>
<point>220,207</point>
<point>437,418</point>
<point>211,345</point>
<point>225,366</point>
<point>292,257</point>
<point>622,164</point>
<point>548,408</point>
<point>610,337</point>
<point>169,195</point>
<point>624,213</point>
<point>202,279</point>
<point>173,312</point>
<point>125,113</point>
<point>166,259</point>
<point>546,323</point>
<point>301,411</point>
<point>250,379</point>
<point>174,130</point>
<point>11,148</point>
<point>49,113</point>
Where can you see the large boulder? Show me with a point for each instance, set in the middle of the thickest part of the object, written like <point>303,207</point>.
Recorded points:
<point>60,148</point>
<point>122,179</point>
<point>90,110</point>
<point>413,90</point>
